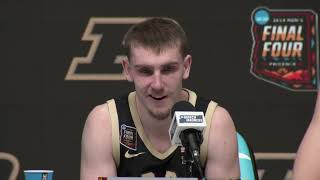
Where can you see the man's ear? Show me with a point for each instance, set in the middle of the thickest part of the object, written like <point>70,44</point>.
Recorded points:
<point>187,66</point>
<point>126,69</point>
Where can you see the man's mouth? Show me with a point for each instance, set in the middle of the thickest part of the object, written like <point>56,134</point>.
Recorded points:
<point>158,98</point>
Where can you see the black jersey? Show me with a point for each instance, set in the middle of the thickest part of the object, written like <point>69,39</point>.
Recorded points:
<point>132,151</point>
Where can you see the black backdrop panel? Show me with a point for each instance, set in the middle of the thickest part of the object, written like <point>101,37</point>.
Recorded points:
<point>42,114</point>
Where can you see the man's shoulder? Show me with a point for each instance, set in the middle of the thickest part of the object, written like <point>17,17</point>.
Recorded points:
<point>222,119</point>
<point>99,116</point>
<point>219,111</point>
<point>99,109</point>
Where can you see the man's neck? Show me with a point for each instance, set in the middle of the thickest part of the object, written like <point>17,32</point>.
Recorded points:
<point>157,130</point>
<point>152,124</point>
<point>158,127</point>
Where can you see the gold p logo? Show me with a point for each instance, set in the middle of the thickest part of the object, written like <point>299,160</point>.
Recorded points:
<point>95,38</point>
<point>15,164</point>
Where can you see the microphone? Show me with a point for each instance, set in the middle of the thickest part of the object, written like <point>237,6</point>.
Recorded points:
<point>185,119</point>
<point>186,129</point>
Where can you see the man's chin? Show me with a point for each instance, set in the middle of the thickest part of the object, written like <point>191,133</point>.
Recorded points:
<point>160,115</point>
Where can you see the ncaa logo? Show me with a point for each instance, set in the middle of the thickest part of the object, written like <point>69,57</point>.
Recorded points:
<point>261,17</point>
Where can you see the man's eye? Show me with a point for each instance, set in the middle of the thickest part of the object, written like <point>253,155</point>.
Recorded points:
<point>168,69</point>
<point>145,71</point>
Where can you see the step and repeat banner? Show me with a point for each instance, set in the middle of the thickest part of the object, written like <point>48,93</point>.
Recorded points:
<point>61,58</point>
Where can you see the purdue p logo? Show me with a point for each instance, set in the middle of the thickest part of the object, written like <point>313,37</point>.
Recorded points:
<point>104,56</point>
<point>275,165</point>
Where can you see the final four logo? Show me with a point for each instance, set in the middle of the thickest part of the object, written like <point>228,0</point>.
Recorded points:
<point>285,49</point>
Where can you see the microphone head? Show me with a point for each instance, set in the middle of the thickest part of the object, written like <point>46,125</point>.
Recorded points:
<point>185,116</point>
<point>182,106</point>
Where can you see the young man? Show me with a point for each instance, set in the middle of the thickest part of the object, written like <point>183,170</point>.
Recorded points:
<point>306,165</point>
<point>137,124</point>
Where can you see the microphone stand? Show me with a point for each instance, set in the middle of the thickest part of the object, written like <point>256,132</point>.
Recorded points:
<point>191,140</point>
<point>187,162</point>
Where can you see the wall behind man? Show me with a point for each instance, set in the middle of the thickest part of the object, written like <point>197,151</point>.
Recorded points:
<point>42,114</point>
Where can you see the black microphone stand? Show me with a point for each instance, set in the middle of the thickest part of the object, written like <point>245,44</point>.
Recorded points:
<point>187,162</point>
<point>191,140</point>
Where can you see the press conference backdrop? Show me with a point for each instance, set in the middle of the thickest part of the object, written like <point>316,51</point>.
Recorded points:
<point>46,93</point>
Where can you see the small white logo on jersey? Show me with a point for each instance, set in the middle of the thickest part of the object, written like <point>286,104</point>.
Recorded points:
<point>128,156</point>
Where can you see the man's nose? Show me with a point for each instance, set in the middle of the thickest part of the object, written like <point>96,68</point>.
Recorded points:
<point>157,82</point>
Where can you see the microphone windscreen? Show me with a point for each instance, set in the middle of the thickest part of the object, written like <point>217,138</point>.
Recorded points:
<point>182,106</point>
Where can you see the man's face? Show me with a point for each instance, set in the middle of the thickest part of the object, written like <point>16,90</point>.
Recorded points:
<point>157,78</point>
